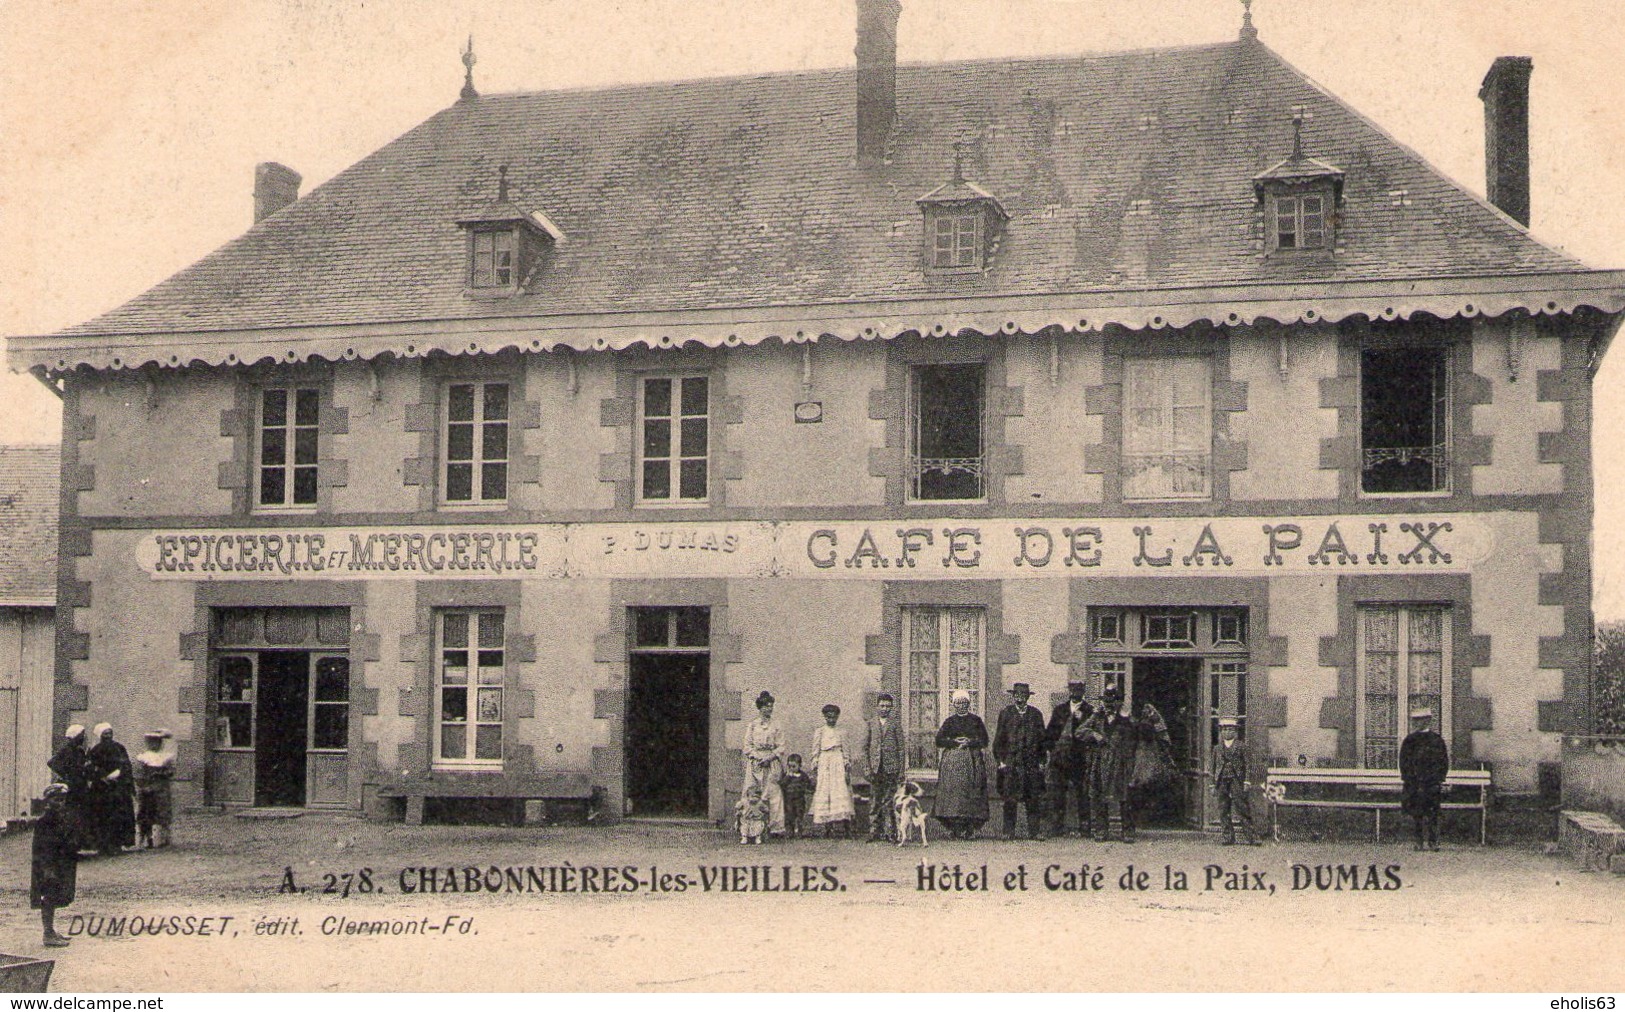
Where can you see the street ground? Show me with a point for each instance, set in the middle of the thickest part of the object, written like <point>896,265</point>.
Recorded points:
<point>1504,918</point>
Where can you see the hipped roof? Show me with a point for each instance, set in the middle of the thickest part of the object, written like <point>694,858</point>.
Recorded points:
<point>732,211</point>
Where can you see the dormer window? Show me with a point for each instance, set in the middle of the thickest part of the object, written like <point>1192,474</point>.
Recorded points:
<point>493,259</point>
<point>962,222</point>
<point>507,244</point>
<point>1300,221</point>
<point>958,242</point>
<point>1299,196</point>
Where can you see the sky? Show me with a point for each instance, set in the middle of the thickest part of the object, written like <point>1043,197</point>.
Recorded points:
<point>130,131</point>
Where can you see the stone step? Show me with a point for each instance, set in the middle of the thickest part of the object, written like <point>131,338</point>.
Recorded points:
<point>1593,839</point>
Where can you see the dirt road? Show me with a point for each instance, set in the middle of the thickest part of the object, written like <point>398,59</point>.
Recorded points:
<point>646,906</point>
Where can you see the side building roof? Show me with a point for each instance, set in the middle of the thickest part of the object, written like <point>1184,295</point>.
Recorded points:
<point>29,479</point>
<point>730,210</point>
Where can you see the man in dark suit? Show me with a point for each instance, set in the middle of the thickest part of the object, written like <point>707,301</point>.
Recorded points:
<point>1068,773</point>
<point>884,763</point>
<point>1018,747</point>
<point>1424,762</point>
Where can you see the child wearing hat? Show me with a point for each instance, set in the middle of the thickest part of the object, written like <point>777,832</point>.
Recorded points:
<point>1230,782</point>
<point>55,872</point>
<point>154,769</point>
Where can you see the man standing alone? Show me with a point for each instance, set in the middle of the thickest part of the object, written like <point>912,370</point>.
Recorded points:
<point>1018,746</point>
<point>883,759</point>
<point>1424,762</point>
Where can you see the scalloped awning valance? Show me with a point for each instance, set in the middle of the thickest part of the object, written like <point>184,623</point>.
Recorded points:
<point>1538,294</point>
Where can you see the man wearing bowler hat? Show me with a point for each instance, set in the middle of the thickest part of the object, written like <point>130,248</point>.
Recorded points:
<point>1067,753</point>
<point>1230,782</point>
<point>1424,762</point>
<point>1018,747</point>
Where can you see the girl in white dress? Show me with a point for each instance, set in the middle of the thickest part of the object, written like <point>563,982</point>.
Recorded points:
<point>832,796</point>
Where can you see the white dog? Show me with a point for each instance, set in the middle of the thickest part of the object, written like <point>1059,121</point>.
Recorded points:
<point>910,816</point>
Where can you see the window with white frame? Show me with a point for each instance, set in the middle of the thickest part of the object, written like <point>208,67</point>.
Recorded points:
<point>469,675</point>
<point>957,241</point>
<point>1300,221</point>
<point>674,424</point>
<point>289,437</point>
<point>493,259</point>
<point>943,650</point>
<point>945,432</point>
<point>1402,664</point>
<point>1167,427</point>
<point>474,444</point>
<point>1405,420</point>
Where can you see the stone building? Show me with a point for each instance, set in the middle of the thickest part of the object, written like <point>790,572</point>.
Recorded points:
<point>516,459</point>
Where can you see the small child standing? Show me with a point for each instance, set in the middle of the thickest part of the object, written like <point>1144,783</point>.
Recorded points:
<point>1230,782</point>
<point>154,769</point>
<point>55,862</point>
<point>797,788</point>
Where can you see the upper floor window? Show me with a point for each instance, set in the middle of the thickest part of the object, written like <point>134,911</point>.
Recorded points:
<point>945,432</point>
<point>1300,221</point>
<point>957,241</point>
<point>1167,427</point>
<point>494,259</point>
<point>475,443</point>
<point>1405,420</point>
<point>675,444</point>
<point>288,440</point>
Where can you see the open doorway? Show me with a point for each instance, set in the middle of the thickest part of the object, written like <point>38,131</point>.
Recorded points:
<point>668,713</point>
<point>1172,685</point>
<point>281,702</point>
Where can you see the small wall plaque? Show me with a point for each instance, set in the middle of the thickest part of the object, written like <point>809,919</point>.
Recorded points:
<point>809,411</point>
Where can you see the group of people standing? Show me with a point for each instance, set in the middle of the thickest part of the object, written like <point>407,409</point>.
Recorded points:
<point>1095,757</point>
<point>101,800</point>
<point>1098,757</point>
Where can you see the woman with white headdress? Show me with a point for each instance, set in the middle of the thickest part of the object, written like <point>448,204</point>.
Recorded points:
<point>71,766</point>
<point>961,803</point>
<point>112,795</point>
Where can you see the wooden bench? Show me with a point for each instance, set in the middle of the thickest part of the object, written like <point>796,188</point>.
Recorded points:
<point>1374,790</point>
<point>536,792</point>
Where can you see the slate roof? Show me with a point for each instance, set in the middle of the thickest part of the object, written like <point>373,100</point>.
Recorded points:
<point>1128,170</point>
<point>29,479</point>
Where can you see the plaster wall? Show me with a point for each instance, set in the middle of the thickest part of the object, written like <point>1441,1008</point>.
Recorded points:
<point>1284,423</point>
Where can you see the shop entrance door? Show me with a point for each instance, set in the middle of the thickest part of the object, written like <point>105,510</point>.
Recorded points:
<point>281,701</point>
<point>668,713</point>
<point>1173,685</point>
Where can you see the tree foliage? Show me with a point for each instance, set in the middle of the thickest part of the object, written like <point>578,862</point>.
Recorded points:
<point>1608,678</point>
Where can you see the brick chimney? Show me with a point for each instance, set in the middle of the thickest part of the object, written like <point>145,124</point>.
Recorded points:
<point>1505,94</point>
<point>275,187</point>
<point>877,76</point>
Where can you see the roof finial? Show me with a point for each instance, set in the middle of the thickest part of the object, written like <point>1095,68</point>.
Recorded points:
<point>1247,29</point>
<point>959,167</point>
<point>1297,134</point>
<point>468,93</point>
<point>502,184</point>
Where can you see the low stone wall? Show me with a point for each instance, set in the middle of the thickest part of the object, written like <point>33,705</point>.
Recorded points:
<point>1594,774</point>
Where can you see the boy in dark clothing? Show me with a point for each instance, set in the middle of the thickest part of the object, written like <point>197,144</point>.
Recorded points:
<point>1230,782</point>
<point>55,870</point>
<point>797,788</point>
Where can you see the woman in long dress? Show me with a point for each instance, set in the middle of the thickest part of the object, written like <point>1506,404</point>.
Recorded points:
<point>961,803</point>
<point>764,762</point>
<point>832,795</point>
<point>112,793</point>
